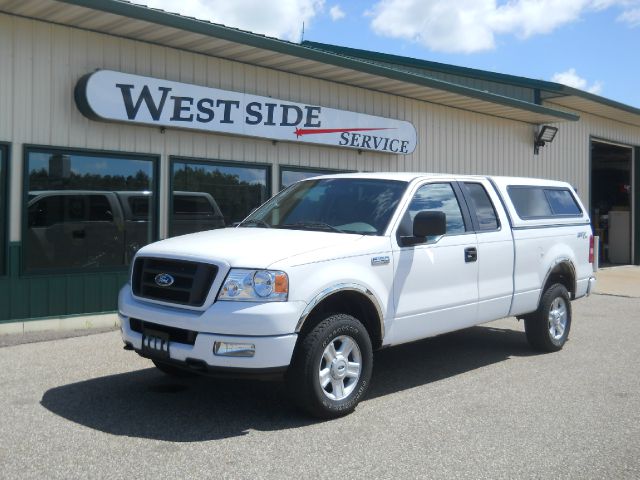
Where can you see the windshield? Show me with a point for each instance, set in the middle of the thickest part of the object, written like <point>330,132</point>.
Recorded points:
<point>344,205</point>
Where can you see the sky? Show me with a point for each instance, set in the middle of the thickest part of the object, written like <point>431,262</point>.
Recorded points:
<point>593,45</point>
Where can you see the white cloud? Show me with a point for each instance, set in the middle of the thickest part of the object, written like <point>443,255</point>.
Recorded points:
<point>281,19</point>
<point>336,13</point>
<point>572,79</point>
<point>471,25</point>
<point>631,16</point>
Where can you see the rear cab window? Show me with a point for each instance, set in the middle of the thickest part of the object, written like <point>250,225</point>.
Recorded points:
<point>533,202</point>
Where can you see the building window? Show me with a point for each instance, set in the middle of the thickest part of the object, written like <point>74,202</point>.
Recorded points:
<point>209,195</point>
<point>4,191</point>
<point>291,175</point>
<point>87,210</point>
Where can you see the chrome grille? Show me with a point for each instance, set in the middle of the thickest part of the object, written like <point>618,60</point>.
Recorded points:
<point>191,281</point>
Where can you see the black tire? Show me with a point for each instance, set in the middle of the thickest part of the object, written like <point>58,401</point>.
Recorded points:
<point>538,325</point>
<point>310,358</point>
<point>172,370</point>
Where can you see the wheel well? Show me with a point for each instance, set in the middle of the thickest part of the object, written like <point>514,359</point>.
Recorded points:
<point>352,303</point>
<point>563,273</point>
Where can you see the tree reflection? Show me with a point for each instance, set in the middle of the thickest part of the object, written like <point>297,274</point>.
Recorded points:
<point>236,196</point>
<point>41,180</point>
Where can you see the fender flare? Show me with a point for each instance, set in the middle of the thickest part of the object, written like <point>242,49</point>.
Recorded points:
<point>559,261</point>
<point>342,287</point>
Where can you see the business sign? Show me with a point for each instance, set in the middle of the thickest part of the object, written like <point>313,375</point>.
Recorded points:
<point>122,97</point>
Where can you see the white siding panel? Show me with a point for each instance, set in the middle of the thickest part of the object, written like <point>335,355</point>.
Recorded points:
<point>6,77</point>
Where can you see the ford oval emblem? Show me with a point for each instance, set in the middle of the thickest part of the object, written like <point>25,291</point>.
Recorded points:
<point>164,280</point>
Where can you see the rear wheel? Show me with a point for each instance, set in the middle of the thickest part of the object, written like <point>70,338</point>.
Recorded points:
<point>332,366</point>
<point>548,327</point>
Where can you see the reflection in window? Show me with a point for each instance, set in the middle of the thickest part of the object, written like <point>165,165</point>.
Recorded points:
<point>529,202</point>
<point>562,202</point>
<point>348,205</point>
<point>3,207</point>
<point>438,197</point>
<point>481,203</point>
<point>211,195</point>
<point>532,202</point>
<point>78,209</point>
<point>291,175</point>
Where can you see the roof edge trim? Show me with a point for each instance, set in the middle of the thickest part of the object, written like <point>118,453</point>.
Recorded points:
<point>437,66</point>
<point>141,12</point>
<point>558,89</point>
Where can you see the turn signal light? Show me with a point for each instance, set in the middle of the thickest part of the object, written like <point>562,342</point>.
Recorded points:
<point>591,249</point>
<point>281,284</point>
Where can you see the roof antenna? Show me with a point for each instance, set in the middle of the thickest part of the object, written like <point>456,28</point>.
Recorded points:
<point>302,36</point>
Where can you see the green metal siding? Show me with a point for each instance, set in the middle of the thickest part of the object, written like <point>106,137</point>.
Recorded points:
<point>29,297</point>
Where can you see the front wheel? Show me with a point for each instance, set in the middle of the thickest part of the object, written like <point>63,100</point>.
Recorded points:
<point>548,327</point>
<point>332,366</point>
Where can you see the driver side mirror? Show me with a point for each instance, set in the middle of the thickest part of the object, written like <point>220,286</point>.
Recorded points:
<point>426,224</point>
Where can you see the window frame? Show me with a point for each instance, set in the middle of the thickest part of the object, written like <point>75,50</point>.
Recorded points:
<point>544,191</point>
<point>173,159</point>
<point>318,170</point>
<point>469,228</point>
<point>5,162</point>
<point>29,148</point>
<point>474,215</point>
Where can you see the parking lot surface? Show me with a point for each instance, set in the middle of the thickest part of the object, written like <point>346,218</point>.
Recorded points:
<point>472,404</point>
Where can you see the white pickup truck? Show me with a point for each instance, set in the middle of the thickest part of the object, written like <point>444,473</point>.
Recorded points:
<point>335,267</point>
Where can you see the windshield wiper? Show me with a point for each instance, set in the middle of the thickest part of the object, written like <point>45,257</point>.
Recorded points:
<point>312,226</point>
<point>255,223</point>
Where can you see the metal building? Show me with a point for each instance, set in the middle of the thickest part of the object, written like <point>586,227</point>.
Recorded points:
<point>121,125</point>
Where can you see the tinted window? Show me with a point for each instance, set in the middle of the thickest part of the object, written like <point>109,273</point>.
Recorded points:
<point>74,218</point>
<point>438,197</point>
<point>3,207</point>
<point>289,176</point>
<point>562,202</point>
<point>192,205</point>
<point>349,205</point>
<point>100,209</point>
<point>139,206</point>
<point>532,202</point>
<point>529,202</point>
<point>46,211</point>
<point>209,195</point>
<point>485,212</point>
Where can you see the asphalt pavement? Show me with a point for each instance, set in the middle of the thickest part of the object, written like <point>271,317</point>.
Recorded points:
<point>472,404</point>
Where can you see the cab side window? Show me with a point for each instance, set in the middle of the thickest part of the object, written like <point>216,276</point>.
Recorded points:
<point>435,197</point>
<point>481,204</point>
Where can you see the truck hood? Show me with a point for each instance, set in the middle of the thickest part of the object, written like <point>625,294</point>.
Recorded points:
<point>248,247</point>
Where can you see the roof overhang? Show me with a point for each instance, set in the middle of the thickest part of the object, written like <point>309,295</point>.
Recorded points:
<point>136,22</point>
<point>601,107</point>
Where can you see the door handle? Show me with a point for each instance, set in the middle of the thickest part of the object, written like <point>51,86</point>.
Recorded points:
<point>470,254</point>
<point>78,234</point>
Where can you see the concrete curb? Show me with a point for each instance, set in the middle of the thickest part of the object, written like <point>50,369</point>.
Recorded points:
<point>84,322</point>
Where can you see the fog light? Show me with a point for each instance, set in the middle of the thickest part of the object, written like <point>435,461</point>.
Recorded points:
<point>226,349</point>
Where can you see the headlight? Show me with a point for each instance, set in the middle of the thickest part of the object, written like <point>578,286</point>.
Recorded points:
<point>255,286</point>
